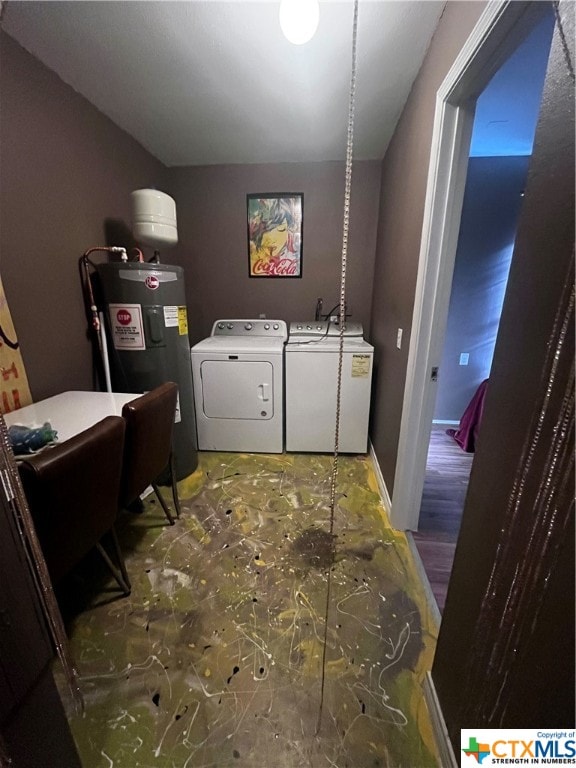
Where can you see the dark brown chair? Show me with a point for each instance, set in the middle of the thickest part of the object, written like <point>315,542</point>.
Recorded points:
<point>72,491</point>
<point>148,445</point>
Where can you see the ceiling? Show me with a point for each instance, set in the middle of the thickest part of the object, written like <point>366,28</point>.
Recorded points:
<point>200,82</point>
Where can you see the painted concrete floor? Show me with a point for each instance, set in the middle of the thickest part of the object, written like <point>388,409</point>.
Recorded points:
<point>215,658</point>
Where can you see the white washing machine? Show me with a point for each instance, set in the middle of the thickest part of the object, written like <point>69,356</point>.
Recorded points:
<point>238,386</point>
<point>311,388</point>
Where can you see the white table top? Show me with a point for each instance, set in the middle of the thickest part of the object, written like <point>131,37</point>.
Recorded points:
<point>70,412</point>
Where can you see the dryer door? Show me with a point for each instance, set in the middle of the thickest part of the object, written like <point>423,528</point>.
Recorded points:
<point>237,389</point>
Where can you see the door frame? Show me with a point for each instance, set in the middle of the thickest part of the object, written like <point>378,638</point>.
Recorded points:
<point>499,30</point>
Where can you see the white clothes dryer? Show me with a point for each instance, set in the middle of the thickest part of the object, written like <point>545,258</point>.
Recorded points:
<point>238,386</point>
<point>312,355</point>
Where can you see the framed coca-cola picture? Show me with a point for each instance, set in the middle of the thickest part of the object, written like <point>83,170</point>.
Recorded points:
<point>275,234</point>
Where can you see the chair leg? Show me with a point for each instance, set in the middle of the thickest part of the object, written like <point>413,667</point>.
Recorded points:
<point>174,486</point>
<point>120,557</point>
<point>163,503</point>
<point>120,574</point>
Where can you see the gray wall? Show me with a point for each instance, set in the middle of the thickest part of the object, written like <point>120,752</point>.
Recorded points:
<point>67,174</point>
<point>214,251</point>
<point>404,177</point>
<point>492,202</point>
<point>66,169</point>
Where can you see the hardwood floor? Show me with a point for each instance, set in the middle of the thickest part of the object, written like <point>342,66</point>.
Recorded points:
<point>447,473</point>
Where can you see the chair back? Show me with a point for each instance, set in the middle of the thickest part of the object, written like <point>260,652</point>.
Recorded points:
<point>148,442</point>
<point>72,491</point>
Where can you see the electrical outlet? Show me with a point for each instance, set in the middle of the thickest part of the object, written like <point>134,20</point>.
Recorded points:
<point>464,357</point>
<point>399,338</point>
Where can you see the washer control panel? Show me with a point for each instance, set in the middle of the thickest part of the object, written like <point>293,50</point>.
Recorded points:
<point>260,327</point>
<point>319,328</point>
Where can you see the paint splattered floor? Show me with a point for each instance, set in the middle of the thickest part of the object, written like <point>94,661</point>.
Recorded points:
<point>215,659</point>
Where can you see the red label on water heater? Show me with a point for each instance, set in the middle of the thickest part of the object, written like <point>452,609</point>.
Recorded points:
<point>124,317</point>
<point>152,282</point>
<point>126,325</point>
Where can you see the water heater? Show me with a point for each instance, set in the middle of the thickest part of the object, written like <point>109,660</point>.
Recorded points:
<point>148,341</point>
<point>146,322</point>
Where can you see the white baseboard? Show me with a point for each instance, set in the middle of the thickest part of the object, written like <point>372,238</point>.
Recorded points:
<point>432,604</point>
<point>380,479</point>
<point>446,753</point>
<point>447,757</point>
<point>431,600</point>
<point>447,422</point>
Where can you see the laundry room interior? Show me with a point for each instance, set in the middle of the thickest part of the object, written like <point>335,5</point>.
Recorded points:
<point>279,613</point>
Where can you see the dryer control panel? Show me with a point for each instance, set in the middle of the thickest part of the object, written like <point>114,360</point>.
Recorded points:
<point>259,327</point>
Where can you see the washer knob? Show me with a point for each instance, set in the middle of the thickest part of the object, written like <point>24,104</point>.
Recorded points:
<point>221,325</point>
<point>230,326</point>
<point>318,327</point>
<point>299,327</point>
<point>248,326</point>
<point>308,327</point>
<point>275,326</point>
<point>266,326</point>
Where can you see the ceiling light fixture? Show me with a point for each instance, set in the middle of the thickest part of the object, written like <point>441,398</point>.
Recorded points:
<point>299,20</point>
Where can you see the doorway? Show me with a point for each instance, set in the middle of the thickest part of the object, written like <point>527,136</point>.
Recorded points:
<point>502,139</point>
<point>499,32</point>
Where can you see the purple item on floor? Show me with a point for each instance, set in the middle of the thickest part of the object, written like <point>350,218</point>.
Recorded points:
<point>467,433</point>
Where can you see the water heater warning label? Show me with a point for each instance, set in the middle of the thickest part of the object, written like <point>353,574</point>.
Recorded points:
<point>182,321</point>
<point>176,317</point>
<point>126,325</point>
<point>361,366</point>
<point>171,317</point>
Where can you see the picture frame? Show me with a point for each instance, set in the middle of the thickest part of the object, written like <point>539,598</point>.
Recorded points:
<point>275,234</point>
